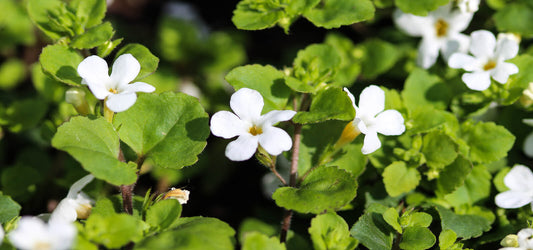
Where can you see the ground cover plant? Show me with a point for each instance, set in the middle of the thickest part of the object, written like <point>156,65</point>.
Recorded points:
<point>266,124</point>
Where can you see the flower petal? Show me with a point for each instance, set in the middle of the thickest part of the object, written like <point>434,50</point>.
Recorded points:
<point>390,122</point>
<point>352,98</point>
<point>512,199</point>
<point>371,143</point>
<point>463,61</point>
<point>125,69</point>
<point>79,185</point>
<point>520,178</point>
<point>428,51</point>
<point>482,44</point>
<point>62,234</point>
<point>371,101</point>
<point>528,145</point>
<point>411,24</point>
<point>121,102</point>
<point>243,148</point>
<point>506,49</point>
<point>477,80</point>
<point>524,238</point>
<point>458,21</point>
<point>29,231</point>
<point>502,72</point>
<point>94,73</point>
<point>227,125</point>
<point>275,140</point>
<point>65,211</point>
<point>137,87</point>
<point>276,116</point>
<point>457,43</point>
<point>247,104</point>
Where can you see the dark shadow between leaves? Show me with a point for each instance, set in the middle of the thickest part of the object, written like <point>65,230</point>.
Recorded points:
<point>280,89</point>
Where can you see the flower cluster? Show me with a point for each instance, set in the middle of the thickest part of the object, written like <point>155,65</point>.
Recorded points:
<point>251,127</point>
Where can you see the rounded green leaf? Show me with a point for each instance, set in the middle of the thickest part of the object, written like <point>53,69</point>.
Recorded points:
<point>350,65</point>
<point>316,64</point>
<point>12,72</point>
<point>476,135</point>
<point>192,233</point>
<point>170,128</point>
<point>95,144</point>
<point>378,57</point>
<point>335,13</point>
<point>46,15</point>
<point>419,8</point>
<point>61,62</point>
<point>9,209</point>
<point>439,149</point>
<point>256,14</point>
<point>93,37</point>
<point>453,175</point>
<point>373,232</point>
<point>24,114</point>
<point>148,61</point>
<point>89,12</point>
<point>422,88</point>
<point>115,230</point>
<point>162,214</point>
<point>259,241</point>
<point>324,189</point>
<point>399,178</point>
<point>514,18</point>
<point>267,80</point>
<point>447,238</point>
<point>476,187</point>
<point>417,238</point>
<point>393,219</point>
<point>416,219</point>
<point>465,226</point>
<point>330,231</point>
<point>329,104</point>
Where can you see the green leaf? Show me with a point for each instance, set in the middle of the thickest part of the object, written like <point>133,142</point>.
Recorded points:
<point>12,72</point>
<point>61,63</point>
<point>298,85</point>
<point>259,241</point>
<point>416,219</point>
<point>330,231</point>
<point>439,149</point>
<point>392,218</point>
<point>316,64</point>
<point>465,226</point>
<point>93,37</point>
<point>422,88</point>
<point>476,188</point>
<point>50,17</point>
<point>17,28</point>
<point>373,232</point>
<point>148,61</point>
<point>513,18</point>
<point>192,233</point>
<point>256,14</point>
<point>426,118</point>
<point>335,13</point>
<point>399,178</point>
<point>516,84</point>
<point>266,80</point>
<point>476,135</point>
<point>330,104</point>
<point>419,8</point>
<point>23,114</point>
<point>378,57</point>
<point>170,128</point>
<point>447,238</point>
<point>95,144</point>
<point>417,238</point>
<point>115,230</point>
<point>350,65</point>
<point>47,87</point>
<point>20,181</point>
<point>453,175</point>
<point>163,214</point>
<point>89,12</point>
<point>9,209</point>
<point>351,159</point>
<point>324,189</point>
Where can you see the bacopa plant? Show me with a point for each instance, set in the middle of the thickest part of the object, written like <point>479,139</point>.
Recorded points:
<point>405,128</point>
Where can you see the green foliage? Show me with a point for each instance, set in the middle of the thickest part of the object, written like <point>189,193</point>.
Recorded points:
<point>378,57</point>
<point>61,63</point>
<point>258,241</point>
<point>94,37</point>
<point>332,103</point>
<point>399,178</point>
<point>266,80</point>
<point>12,72</point>
<point>417,238</point>
<point>17,27</point>
<point>476,134</point>
<point>163,214</point>
<point>9,209</point>
<point>511,18</point>
<point>335,13</point>
<point>115,230</point>
<point>419,8</point>
<point>23,114</point>
<point>476,188</point>
<point>439,149</point>
<point>330,231</point>
<point>192,233</point>
<point>316,65</point>
<point>422,88</point>
<point>372,231</point>
<point>324,189</point>
<point>453,175</point>
<point>464,226</point>
<point>447,238</point>
<point>170,129</point>
<point>96,147</point>
<point>148,61</point>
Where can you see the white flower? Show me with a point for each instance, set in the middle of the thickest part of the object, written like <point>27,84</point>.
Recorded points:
<point>119,94</point>
<point>440,31</point>
<point>33,233</point>
<point>77,205</point>
<point>2,233</point>
<point>520,182</point>
<point>488,60</point>
<point>528,142</point>
<point>524,240</point>
<point>370,118</point>
<point>468,6</point>
<point>182,195</point>
<point>251,127</point>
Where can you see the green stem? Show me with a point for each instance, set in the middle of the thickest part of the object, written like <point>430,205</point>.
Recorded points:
<point>108,114</point>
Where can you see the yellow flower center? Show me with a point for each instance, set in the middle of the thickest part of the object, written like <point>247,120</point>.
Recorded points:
<point>42,246</point>
<point>441,27</point>
<point>255,130</point>
<point>175,194</point>
<point>489,65</point>
<point>83,211</point>
<point>114,91</point>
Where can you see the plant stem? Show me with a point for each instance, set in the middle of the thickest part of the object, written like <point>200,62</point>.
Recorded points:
<point>273,169</point>
<point>286,223</point>
<point>108,114</point>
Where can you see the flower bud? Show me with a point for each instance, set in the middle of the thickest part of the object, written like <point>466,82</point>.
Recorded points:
<point>510,240</point>
<point>76,97</point>
<point>83,211</point>
<point>349,133</point>
<point>175,193</point>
